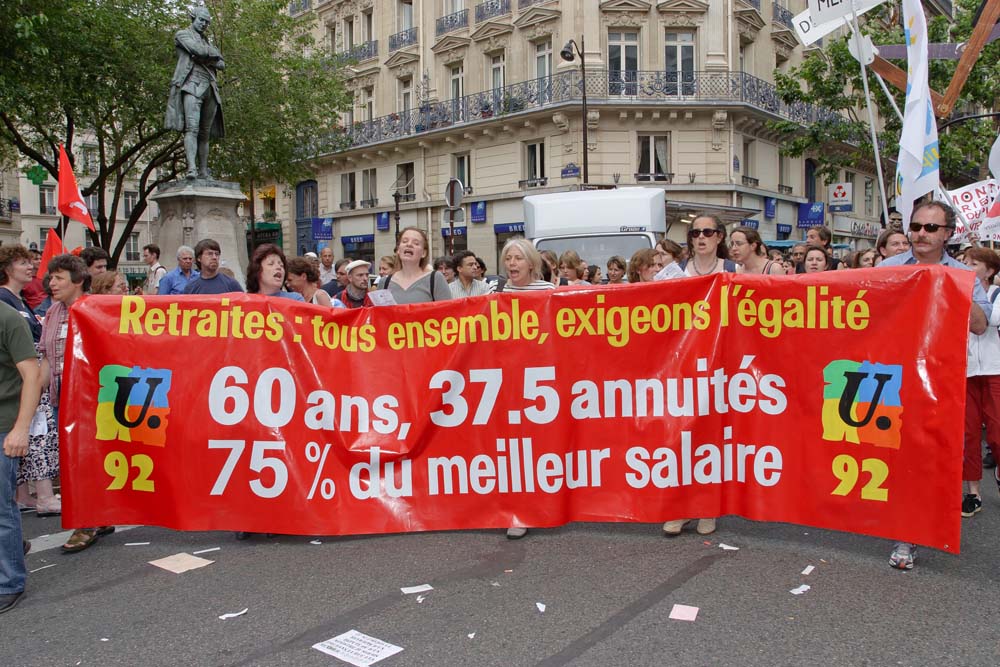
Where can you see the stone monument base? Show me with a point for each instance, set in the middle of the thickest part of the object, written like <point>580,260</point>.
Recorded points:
<point>196,209</point>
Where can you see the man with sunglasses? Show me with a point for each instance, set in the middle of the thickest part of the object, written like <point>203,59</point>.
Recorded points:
<point>931,225</point>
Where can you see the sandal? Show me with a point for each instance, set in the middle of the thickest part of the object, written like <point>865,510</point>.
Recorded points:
<point>81,539</point>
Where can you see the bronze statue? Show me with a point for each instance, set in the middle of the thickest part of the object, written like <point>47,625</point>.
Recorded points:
<point>194,106</point>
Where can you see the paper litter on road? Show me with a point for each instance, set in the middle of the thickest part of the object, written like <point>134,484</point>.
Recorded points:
<point>727,547</point>
<point>181,562</point>
<point>809,569</point>
<point>471,635</point>
<point>541,606</point>
<point>495,583</point>
<point>137,544</point>
<point>420,599</point>
<point>683,612</point>
<point>105,639</point>
<point>357,648</point>
<point>315,542</point>
<point>800,590</point>
<point>507,571</point>
<point>422,588</point>
<point>234,615</point>
<point>44,567</point>
<point>205,551</point>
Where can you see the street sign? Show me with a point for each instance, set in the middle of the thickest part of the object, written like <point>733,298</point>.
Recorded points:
<point>453,193</point>
<point>810,30</point>
<point>823,11</point>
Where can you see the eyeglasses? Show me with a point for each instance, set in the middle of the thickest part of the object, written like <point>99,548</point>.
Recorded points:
<point>929,227</point>
<point>707,233</point>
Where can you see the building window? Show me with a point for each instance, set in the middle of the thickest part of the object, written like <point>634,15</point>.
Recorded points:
<point>405,183</point>
<point>93,203</point>
<point>131,200</point>
<point>369,188</point>
<point>367,26</point>
<point>457,81</point>
<point>869,197</point>
<point>47,199</point>
<point>331,36</point>
<point>543,59</point>
<point>347,192</point>
<point>654,158</point>
<point>348,34</point>
<point>534,165</point>
<point>623,62</point>
<point>306,200</point>
<point>498,71</point>
<point>809,178</point>
<point>405,94</point>
<point>404,14</point>
<point>452,6</point>
<point>347,115</point>
<point>368,101</point>
<point>132,253</point>
<point>679,59</point>
<point>748,165</point>
<point>43,233</point>
<point>463,170</point>
<point>849,179</point>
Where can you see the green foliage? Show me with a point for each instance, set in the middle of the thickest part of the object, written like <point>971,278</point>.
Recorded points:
<point>97,72</point>
<point>831,78</point>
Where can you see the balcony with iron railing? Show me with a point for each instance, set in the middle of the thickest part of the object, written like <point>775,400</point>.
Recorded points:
<point>653,177</point>
<point>402,39</point>
<point>368,203</point>
<point>359,53</point>
<point>452,22</point>
<point>784,189</point>
<point>539,182</point>
<point>783,16</point>
<point>491,9</point>
<point>751,182</point>
<point>604,87</point>
<point>5,209</point>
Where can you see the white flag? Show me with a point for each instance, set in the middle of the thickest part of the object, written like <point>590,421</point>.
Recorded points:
<point>917,172</point>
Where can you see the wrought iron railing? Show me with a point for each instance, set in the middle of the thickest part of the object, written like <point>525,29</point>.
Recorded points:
<point>751,182</point>
<point>368,203</point>
<point>402,39</point>
<point>783,16</point>
<point>540,182</point>
<point>364,51</point>
<point>347,205</point>
<point>784,189</point>
<point>603,87</point>
<point>5,209</point>
<point>491,8</point>
<point>663,177</point>
<point>452,22</point>
<point>296,7</point>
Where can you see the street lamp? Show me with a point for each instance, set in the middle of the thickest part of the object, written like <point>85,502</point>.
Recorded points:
<point>567,55</point>
<point>396,197</point>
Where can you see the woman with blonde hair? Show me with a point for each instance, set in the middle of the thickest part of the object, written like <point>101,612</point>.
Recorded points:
<point>415,281</point>
<point>645,264</point>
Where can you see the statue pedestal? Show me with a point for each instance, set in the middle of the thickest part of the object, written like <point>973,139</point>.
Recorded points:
<point>192,210</point>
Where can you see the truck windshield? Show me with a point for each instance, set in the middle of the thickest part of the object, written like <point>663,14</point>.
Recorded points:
<point>596,249</point>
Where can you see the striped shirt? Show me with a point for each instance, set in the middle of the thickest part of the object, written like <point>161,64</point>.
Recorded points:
<point>533,286</point>
<point>477,288</point>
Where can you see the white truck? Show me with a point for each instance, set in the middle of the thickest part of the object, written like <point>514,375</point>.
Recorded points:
<point>597,224</point>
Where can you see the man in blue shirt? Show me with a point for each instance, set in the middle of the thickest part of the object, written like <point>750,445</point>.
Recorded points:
<point>210,281</point>
<point>931,225</point>
<point>175,281</point>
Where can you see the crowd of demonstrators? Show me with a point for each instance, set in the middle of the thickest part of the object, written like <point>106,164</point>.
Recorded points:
<point>644,265</point>
<point>335,286</point>
<point>616,270</point>
<point>208,255</point>
<point>304,279</point>
<point>415,281</point>
<point>747,249</point>
<point>176,281</point>
<point>468,276</point>
<point>156,272</point>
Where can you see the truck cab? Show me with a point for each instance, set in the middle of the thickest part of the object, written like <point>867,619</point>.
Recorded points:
<point>597,224</point>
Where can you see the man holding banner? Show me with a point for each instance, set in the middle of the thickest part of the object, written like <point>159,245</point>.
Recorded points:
<point>931,225</point>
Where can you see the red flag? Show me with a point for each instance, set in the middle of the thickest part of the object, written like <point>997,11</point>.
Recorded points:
<point>53,247</point>
<point>71,202</point>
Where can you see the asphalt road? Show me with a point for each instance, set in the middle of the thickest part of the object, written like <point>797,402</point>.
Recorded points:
<point>608,590</point>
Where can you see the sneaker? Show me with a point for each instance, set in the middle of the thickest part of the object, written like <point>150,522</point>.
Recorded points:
<point>674,528</point>
<point>9,600</point>
<point>706,526</point>
<point>989,461</point>
<point>971,504</point>
<point>902,556</point>
<point>515,533</point>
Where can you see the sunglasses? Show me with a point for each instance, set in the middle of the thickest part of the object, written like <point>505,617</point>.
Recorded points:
<point>707,233</point>
<point>930,227</point>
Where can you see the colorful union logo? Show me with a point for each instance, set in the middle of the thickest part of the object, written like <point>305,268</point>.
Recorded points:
<point>861,403</point>
<point>132,404</point>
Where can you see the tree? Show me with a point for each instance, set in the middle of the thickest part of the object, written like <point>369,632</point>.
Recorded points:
<point>831,78</point>
<point>100,70</point>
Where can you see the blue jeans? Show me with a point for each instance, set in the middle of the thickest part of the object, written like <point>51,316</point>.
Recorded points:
<point>12,572</point>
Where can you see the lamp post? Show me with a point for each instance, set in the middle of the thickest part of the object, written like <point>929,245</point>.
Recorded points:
<point>396,197</point>
<point>567,55</point>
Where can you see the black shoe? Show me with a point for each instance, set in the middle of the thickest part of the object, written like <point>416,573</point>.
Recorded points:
<point>971,504</point>
<point>9,600</point>
<point>26,545</point>
<point>989,461</point>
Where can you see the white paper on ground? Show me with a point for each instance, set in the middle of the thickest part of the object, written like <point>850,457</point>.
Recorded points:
<point>357,648</point>
<point>205,551</point>
<point>471,635</point>
<point>137,544</point>
<point>234,615</point>
<point>727,547</point>
<point>683,612</point>
<point>808,570</point>
<point>541,606</point>
<point>422,588</point>
<point>315,542</point>
<point>181,562</point>
<point>800,590</point>
<point>41,568</point>
<point>420,598</point>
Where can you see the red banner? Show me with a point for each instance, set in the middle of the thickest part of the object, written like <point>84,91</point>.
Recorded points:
<point>832,400</point>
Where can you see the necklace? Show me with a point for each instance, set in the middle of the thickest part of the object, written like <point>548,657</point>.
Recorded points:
<point>694,262</point>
